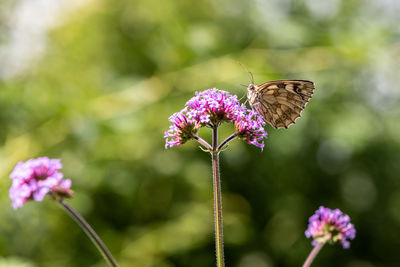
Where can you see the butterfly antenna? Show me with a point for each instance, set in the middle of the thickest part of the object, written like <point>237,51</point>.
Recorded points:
<point>249,72</point>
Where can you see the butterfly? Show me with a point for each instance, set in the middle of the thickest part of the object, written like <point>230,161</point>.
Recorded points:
<point>280,102</point>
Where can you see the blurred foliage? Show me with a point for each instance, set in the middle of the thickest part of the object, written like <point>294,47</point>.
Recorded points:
<point>94,82</point>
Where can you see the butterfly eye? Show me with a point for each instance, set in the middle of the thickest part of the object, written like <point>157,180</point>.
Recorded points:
<point>251,86</point>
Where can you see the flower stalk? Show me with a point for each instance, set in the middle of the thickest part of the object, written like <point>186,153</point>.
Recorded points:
<point>226,141</point>
<point>313,254</point>
<point>218,223</point>
<point>203,142</point>
<point>90,233</point>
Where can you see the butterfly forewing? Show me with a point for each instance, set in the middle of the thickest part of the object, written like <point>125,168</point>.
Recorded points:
<point>281,102</point>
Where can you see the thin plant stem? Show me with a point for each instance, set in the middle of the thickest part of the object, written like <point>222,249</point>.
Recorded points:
<point>90,233</point>
<point>313,254</point>
<point>219,237</point>
<point>226,141</point>
<point>203,142</point>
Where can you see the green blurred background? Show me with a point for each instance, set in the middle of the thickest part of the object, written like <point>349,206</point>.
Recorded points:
<point>93,82</point>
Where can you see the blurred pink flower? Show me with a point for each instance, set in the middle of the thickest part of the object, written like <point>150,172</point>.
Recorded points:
<point>35,178</point>
<point>331,226</point>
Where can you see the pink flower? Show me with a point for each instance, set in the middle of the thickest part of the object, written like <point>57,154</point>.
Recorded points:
<point>183,129</point>
<point>35,178</point>
<point>250,127</point>
<point>331,226</point>
<point>210,108</point>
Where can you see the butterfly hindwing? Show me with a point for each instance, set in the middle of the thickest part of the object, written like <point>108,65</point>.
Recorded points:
<point>281,102</point>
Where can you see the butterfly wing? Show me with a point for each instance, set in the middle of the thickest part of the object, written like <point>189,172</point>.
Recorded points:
<point>281,102</point>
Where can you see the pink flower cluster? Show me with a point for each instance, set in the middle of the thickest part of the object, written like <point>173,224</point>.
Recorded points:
<point>33,179</point>
<point>210,108</point>
<point>331,226</point>
<point>250,127</point>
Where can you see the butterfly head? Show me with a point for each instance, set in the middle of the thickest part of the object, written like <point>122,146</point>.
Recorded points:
<point>251,92</point>
<point>251,87</point>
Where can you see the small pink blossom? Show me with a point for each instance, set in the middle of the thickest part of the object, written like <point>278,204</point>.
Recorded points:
<point>35,178</point>
<point>331,226</point>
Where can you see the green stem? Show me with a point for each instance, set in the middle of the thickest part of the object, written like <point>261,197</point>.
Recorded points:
<point>90,232</point>
<point>313,254</point>
<point>226,141</point>
<point>219,237</point>
<point>203,142</point>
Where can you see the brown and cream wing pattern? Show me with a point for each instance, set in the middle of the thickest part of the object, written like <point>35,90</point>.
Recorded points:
<point>281,102</point>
